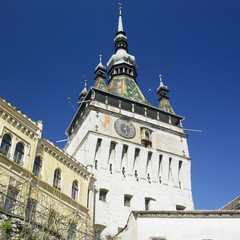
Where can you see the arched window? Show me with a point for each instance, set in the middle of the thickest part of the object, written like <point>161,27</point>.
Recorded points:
<point>37,166</point>
<point>57,178</point>
<point>18,155</point>
<point>75,189</point>
<point>5,145</point>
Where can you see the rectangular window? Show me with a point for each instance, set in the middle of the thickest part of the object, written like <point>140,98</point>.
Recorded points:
<point>149,167</point>
<point>72,230</point>
<point>180,174</point>
<point>170,169</point>
<point>127,200</point>
<point>124,159</point>
<point>147,203</point>
<point>98,151</point>
<point>112,151</point>
<point>52,220</point>
<point>11,199</point>
<point>103,195</point>
<point>30,209</point>
<point>160,168</point>
<point>88,198</point>
<point>95,164</point>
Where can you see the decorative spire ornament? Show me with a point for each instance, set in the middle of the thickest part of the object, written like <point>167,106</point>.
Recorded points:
<point>84,92</point>
<point>162,90</point>
<point>164,103</point>
<point>100,71</point>
<point>120,24</point>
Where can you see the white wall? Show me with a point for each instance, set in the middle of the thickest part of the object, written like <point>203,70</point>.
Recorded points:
<point>183,228</point>
<point>167,140</point>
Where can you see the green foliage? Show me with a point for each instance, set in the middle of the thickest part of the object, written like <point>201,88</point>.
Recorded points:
<point>6,227</point>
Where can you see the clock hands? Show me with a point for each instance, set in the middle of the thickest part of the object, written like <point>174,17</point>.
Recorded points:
<point>126,125</point>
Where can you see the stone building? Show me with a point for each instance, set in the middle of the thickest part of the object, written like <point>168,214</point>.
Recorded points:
<point>138,152</point>
<point>39,181</point>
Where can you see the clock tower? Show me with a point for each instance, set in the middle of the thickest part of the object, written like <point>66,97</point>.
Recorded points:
<point>138,153</point>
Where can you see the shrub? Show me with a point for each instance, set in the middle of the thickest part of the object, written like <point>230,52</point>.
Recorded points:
<point>6,227</point>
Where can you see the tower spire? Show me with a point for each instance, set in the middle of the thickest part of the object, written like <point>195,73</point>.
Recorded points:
<point>121,63</point>
<point>120,24</point>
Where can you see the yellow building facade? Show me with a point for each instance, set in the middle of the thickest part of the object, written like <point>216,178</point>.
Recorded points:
<point>39,181</point>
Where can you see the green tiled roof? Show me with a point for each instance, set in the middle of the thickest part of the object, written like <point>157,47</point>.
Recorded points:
<point>126,87</point>
<point>166,106</point>
<point>100,83</point>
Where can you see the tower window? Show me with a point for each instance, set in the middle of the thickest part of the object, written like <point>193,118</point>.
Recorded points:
<point>127,200</point>
<point>147,203</point>
<point>146,139</point>
<point>97,152</point>
<point>180,174</point>
<point>103,195</point>
<point>160,168</point>
<point>19,151</point>
<point>170,169</point>
<point>95,164</point>
<point>5,145</point>
<point>147,135</point>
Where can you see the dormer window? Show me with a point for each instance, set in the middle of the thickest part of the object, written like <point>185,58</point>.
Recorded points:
<point>146,138</point>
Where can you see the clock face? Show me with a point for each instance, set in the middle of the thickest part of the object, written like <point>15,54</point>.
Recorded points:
<point>125,128</point>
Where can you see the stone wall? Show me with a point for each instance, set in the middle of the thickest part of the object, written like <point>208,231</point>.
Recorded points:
<point>21,229</point>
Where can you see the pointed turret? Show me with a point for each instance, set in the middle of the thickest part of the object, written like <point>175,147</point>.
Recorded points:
<point>164,103</point>
<point>84,92</point>
<point>100,71</point>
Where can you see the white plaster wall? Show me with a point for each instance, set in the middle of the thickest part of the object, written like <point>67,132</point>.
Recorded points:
<point>205,228</point>
<point>166,141</point>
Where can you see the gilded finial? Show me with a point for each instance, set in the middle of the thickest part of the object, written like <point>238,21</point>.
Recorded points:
<point>120,8</point>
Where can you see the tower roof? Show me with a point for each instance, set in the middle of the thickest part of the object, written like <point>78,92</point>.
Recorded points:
<point>121,63</point>
<point>164,103</point>
<point>100,71</point>
<point>84,91</point>
<point>122,68</point>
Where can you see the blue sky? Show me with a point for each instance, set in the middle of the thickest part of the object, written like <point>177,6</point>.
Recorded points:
<point>45,47</point>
